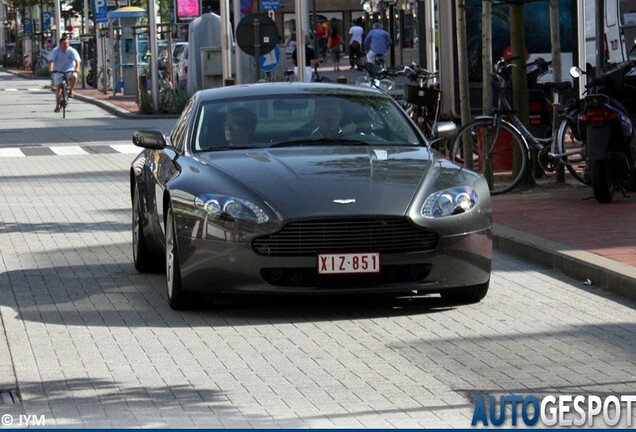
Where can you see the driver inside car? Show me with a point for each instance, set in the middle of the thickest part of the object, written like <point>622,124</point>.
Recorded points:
<point>329,117</point>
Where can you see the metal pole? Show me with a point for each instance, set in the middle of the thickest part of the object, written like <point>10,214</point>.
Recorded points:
<point>301,13</point>
<point>2,20</point>
<point>154,73</point>
<point>257,48</point>
<point>59,26</point>
<point>392,33</point>
<point>237,54</point>
<point>226,44</point>
<point>600,35</point>
<point>85,50</point>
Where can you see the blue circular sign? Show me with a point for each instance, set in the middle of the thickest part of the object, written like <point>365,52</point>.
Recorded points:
<point>269,61</point>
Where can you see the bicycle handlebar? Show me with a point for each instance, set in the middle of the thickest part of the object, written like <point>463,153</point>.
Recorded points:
<point>415,72</point>
<point>376,71</point>
<point>603,76</point>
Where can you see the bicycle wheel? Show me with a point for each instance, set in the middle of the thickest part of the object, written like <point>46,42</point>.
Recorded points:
<point>503,166</point>
<point>570,145</point>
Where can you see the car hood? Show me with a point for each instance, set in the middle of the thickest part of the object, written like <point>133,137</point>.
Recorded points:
<point>330,181</point>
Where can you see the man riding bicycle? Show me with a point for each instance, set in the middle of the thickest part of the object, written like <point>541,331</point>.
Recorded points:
<point>377,42</point>
<point>64,58</point>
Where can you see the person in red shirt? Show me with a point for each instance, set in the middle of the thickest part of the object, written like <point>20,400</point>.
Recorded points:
<point>334,47</point>
<point>322,33</point>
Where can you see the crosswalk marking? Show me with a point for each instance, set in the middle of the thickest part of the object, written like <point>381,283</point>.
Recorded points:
<point>69,150</point>
<point>11,152</point>
<point>126,148</point>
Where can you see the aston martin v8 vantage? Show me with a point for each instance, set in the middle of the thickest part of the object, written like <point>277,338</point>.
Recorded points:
<point>305,188</point>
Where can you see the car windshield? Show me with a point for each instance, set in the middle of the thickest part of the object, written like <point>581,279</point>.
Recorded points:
<point>303,120</point>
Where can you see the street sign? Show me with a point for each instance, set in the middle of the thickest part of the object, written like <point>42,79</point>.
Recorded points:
<point>270,4</point>
<point>100,11</point>
<point>27,26</point>
<point>46,20</point>
<point>257,29</point>
<point>247,7</point>
<point>269,61</point>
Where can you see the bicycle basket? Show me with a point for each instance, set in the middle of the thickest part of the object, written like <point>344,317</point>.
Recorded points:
<point>426,97</point>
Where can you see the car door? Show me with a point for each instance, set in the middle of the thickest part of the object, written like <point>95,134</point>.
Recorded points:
<point>164,166</point>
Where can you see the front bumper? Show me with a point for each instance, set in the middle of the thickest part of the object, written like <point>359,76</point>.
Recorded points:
<point>214,266</point>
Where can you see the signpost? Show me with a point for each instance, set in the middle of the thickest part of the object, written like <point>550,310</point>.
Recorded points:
<point>100,11</point>
<point>46,20</point>
<point>270,4</point>
<point>257,35</point>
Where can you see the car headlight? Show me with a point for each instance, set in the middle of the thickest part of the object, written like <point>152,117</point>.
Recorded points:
<point>448,202</point>
<point>222,206</point>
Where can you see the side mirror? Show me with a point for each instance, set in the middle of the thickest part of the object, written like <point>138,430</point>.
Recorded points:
<point>149,138</point>
<point>576,72</point>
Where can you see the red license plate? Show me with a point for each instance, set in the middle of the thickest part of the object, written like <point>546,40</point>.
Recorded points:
<point>348,263</point>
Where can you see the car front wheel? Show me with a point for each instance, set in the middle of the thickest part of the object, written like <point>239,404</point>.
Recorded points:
<point>467,295</point>
<point>177,298</point>
<point>143,257</point>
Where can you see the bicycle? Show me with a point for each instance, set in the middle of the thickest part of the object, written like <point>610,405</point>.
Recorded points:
<point>315,75</point>
<point>90,79</point>
<point>422,97</point>
<point>499,145</point>
<point>64,92</point>
<point>378,77</point>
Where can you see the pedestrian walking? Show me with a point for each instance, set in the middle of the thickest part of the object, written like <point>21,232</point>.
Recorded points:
<point>356,32</point>
<point>333,46</point>
<point>322,34</point>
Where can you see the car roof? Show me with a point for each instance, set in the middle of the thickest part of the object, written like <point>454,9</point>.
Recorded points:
<point>286,88</point>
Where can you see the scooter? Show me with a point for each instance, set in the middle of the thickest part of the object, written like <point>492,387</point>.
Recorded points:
<point>609,130</point>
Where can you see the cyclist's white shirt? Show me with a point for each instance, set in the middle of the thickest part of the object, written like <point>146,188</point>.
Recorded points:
<point>64,60</point>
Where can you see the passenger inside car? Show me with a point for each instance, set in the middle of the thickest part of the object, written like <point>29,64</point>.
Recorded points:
<point>239,126</point>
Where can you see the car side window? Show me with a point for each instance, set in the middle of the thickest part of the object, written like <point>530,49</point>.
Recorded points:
<point>178,135</point>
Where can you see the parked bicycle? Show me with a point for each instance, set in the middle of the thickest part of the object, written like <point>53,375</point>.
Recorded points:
<point>42,61</point>
<point>378,77</point>
<point>422,97</point>
<point>64,93</point>
<point>498,146</point>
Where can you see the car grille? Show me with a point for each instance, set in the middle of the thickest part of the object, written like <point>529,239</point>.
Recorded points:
<point>307,238</point>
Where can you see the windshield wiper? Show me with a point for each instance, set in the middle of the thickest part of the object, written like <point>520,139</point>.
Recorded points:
<point>319,141</point>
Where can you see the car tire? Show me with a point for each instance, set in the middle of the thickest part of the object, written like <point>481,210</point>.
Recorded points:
<point>143,258</point>
<point>177,298</point>
<point>473,294</point>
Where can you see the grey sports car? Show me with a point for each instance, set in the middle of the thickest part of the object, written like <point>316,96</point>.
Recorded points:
<point>305,188</point>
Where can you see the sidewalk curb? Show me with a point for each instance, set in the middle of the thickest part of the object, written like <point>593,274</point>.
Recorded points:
<point>118,111</point>
<point>604,273</point>
<point>111,108</point>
